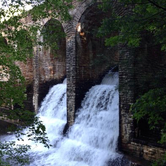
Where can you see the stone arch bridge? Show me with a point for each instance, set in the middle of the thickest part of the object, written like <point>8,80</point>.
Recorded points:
<point>83,59</point>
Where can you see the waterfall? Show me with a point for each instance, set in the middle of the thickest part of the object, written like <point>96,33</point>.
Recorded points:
<point>93,138</point>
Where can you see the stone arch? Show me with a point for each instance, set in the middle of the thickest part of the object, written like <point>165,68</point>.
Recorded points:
<point>77,70</point>
<point>51,56</point>
<point>53,52</point>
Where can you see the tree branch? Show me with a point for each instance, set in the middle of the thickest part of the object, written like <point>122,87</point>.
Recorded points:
<point>157,5</point>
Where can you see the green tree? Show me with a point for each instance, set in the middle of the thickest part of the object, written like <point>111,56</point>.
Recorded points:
<point>16,42</point>
<point>137,18</point>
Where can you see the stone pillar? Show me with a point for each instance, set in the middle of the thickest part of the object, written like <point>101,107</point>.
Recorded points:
<point>36,78</point>
<point>126,85</point>
<point>71,78</point>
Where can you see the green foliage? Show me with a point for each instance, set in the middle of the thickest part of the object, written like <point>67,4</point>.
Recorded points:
<point>52,35</point>
<point>151,105</point>
<point>160,162</point>
<point>51,8</point>
<point>139,18</point>
<point>37,133</point>
<point>11,153</point>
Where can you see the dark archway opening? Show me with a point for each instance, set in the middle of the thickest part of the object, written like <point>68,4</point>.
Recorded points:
<point>93,58</point>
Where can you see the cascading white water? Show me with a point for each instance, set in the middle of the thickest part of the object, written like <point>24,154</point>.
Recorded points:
<point>92,140</point>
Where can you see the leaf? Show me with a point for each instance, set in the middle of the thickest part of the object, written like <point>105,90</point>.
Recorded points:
<point>112,41</point>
